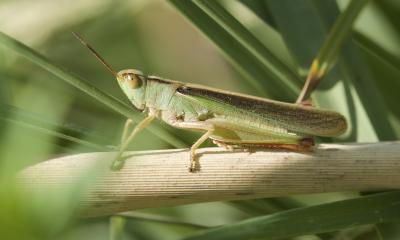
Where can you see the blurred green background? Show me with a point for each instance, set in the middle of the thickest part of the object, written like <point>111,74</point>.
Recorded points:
<point>38,109</point>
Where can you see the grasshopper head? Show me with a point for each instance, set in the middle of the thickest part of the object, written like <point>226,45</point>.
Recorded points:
<point>131,81</point>
<point>133,84</point>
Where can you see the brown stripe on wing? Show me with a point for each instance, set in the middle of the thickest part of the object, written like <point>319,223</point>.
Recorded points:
<point>242,101</point>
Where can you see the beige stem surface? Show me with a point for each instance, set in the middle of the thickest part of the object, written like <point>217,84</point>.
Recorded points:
<point>161,178</point>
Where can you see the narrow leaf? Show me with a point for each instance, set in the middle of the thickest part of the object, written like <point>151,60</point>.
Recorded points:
<point>330,49</point>
<point>364,107</point>
<point>383,207</point>
<point>84,86</point>
<point>258,74</point>
<point>339,32</point>
<point>278,69</point>
<point>21,118</point>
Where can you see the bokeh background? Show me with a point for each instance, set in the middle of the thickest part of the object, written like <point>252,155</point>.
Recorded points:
<point>38,110</point>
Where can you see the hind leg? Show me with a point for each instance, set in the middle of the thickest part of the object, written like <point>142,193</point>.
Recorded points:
<point>304,145</point>
<point>223,145</point>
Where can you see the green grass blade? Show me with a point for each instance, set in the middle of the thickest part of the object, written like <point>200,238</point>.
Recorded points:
<point>257,207</point>
<point>331,48</point>
<point>90,145</point>
<point>117,226</point>
<point>379,52</point>
<point>356,71</point>
<point>21,118</point>
<point>82,85</point>
<point>260,8</point>
<point>388,231</point>
<point>339,32</point>
<point>153,218</point>
<point>383,207</point>
<point>258,74</point>
<point>300,29</point>
<point>235,28</point>
<point>364,107</point>
<point>303,34</point>
<point>386,69</point>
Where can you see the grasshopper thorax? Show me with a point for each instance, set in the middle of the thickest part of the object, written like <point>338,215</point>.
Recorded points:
<point>133,84</point>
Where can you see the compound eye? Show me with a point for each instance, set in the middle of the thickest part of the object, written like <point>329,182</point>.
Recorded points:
<point>132,79</point>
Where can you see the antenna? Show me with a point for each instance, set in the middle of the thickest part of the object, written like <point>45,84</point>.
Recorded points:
<point>96,54</point>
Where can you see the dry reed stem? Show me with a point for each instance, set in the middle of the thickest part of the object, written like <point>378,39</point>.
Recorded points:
<point>160,178</point>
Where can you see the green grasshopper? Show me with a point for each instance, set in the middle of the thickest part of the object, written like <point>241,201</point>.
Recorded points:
<point>230,119</point>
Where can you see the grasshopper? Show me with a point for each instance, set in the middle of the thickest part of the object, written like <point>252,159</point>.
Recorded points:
<point>230,119</point>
